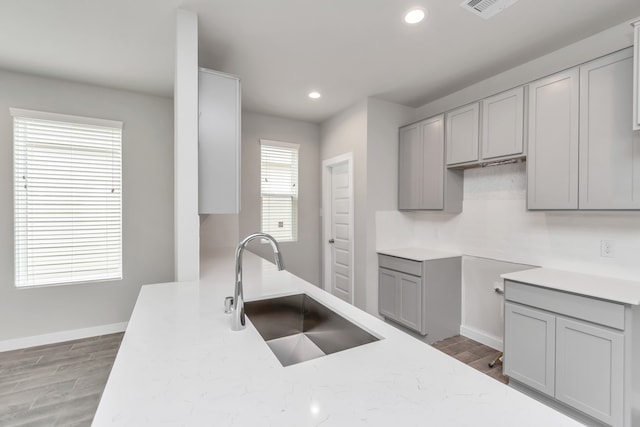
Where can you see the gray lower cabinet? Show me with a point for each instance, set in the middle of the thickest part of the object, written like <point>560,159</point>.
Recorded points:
<point>571,349</point>
<point>401,298</point>
<point>423,181</point>
<point>424,296</point>
<point>589,369</point>
<point>530,342</point>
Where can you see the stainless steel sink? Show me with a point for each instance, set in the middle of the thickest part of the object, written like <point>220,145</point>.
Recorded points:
<point>298,328</point>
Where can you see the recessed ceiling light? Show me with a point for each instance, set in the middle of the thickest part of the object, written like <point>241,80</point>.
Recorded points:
<point>415,15</point>
<point>314,95</point>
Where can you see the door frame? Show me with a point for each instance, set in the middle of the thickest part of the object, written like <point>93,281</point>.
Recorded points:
<point>327,165</point>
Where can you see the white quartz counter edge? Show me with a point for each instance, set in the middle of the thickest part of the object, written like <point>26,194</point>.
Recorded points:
<point>417,254</point>
<point>608,288</point>
<point>181,365</point>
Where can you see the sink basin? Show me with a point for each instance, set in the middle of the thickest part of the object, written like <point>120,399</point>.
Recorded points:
<point>298,328</point>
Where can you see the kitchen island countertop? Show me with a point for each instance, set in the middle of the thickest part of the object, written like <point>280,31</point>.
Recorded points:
<point>181,365</point>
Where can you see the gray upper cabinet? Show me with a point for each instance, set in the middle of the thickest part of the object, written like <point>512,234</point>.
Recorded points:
<point>218,143</point>
<point>423,181</point>
<point>409,167</point>
<point>636,76</point>
<point>582,152</point>
<point>462,127</point>
<point>552,157</point>
<point>609,148</point>
<point>503,124</point>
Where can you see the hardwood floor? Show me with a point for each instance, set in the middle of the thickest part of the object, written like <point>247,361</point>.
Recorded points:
<point>473,354</point>
<point>61,384</point>
<point>55,385</point>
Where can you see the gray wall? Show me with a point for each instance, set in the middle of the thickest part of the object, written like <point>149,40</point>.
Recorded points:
<point>383,120</point>
<point>301,258</point>
<point>369,130</point>
<point>147,207</point>
<point>346,132</point>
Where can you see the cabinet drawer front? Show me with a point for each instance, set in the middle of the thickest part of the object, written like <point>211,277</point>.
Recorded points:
<point>400,264</point>
<point>590,309</point>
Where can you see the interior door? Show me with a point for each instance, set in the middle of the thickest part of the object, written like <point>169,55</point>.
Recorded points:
<point>341,232</point>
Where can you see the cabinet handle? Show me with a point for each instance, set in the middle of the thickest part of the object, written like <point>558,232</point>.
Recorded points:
<point>332,241</point>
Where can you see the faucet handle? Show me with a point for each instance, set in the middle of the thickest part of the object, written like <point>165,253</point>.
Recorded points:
<point>228,302</point>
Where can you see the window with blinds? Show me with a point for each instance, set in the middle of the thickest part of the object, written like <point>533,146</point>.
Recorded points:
<point>279,189</point>
<point>67,198</point>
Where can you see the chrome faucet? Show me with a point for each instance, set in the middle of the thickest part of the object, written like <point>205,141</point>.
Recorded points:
<point>237,308</point>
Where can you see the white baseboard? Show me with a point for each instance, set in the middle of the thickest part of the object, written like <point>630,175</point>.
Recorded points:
<point>481,337</point>
<point>55,337</point>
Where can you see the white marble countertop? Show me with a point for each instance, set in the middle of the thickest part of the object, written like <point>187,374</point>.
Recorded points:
<point>181,365</point>
<point>417,254</point>
<point>608,288</point>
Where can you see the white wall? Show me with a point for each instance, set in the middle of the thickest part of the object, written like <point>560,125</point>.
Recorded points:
<point>185,93</point>
<point>147,145</point>
<point>301,258</point>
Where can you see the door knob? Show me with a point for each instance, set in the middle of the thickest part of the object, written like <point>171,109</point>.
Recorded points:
<point>332,241</point>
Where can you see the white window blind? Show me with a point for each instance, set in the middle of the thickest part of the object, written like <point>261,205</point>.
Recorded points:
<point>67,198</point>
<point>279,189</point>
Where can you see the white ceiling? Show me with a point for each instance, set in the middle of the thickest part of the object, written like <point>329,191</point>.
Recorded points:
<point>282,49</point>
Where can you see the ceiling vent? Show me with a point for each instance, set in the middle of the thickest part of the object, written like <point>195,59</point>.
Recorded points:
<point>486,8</point>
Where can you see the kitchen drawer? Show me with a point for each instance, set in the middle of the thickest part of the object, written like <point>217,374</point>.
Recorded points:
<point>400,264</point>
<point>593,310</point>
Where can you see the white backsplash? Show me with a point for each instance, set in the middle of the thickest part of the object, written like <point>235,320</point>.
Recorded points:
<point>496,224</point>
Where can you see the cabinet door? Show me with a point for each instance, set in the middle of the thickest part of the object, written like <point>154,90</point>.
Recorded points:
<point>432,132</point>
<point>218,143</point>
<point>462,125</point>
<point>388,293</point>
<point>552,158</point>
<point>636,76</point>
<point>589,369</point>
<point>410,168</point>
<point>503,124</point>
<point>529,347</point>
<point>411,301</point>
<point>609,148</point>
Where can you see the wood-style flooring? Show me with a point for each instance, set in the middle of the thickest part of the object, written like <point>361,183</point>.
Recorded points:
<point>55,385</point>
<point>61,384</point>
<point>474,354</point>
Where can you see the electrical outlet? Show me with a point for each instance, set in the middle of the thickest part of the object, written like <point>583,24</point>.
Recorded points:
<point>607,248</point>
